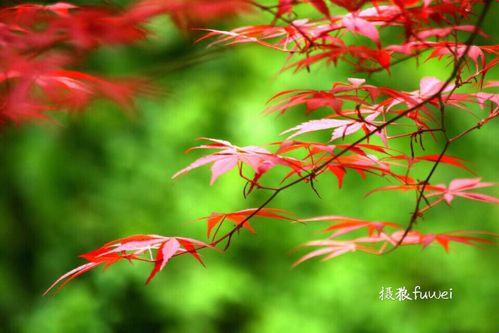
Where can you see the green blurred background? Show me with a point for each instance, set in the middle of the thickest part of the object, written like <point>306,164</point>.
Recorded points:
<point>68,188</point>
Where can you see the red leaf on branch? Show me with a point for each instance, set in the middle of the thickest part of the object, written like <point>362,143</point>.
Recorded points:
<point>284,7</point>
<point>350,5</point>
<point>377,243</point>
<point>137,247</point>
<point>461,188</point>
<point>341,128</point>
<point>451,160</point>
<point>342,225</point>
<point>321,6</point>
<point>239,218</point>
<point>258,159</point>
<point>360,26</point>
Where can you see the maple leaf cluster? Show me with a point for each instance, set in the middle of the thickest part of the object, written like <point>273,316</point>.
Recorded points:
<point>41,45</point>
<point>422,26</point>
<point>139,248</point>
<point>378,238</point>
<point>361,123</point>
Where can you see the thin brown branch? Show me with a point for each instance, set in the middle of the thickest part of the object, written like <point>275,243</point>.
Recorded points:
<point>477,126</point>
<point>417,213</point>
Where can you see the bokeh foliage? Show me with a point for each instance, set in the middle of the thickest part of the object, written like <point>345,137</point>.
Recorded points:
<point>70,186</point>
